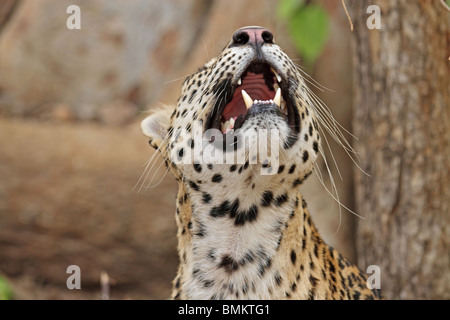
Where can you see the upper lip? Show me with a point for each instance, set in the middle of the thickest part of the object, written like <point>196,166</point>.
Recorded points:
<point>260,80</point>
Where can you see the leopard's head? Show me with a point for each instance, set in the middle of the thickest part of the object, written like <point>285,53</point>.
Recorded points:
<point>247,110</point>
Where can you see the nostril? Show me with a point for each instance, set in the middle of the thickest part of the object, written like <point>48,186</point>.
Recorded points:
<point>267,36</point>
<point>240,38</point>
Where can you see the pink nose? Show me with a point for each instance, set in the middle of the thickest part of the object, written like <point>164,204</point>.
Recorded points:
<point>255,36</point>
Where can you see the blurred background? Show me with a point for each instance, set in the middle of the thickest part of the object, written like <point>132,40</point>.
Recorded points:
<point>71,150</point>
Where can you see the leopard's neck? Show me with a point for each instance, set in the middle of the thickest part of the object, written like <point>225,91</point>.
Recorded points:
<point>246,246</point>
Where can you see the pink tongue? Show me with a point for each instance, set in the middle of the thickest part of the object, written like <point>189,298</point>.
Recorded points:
<point>255,86</point>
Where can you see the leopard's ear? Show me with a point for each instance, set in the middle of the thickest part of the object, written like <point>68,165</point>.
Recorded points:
<point>156,127</point>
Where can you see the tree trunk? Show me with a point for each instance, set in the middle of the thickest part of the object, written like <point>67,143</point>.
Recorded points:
<point>402,120</point>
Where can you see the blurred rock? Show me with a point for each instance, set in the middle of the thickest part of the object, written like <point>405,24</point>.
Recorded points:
<point>118,112</point>
<point>124,50</point>
<point>62,112</point>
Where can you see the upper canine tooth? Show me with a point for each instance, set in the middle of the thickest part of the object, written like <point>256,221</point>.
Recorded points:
<point>278,77</point>
<point>247,99</point>
<point>277,98</point>
<point>276,74</point>
<point>239,81</point>
<point>231,123</point>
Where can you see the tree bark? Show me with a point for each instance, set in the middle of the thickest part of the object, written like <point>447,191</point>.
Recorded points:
<point>402,120</point>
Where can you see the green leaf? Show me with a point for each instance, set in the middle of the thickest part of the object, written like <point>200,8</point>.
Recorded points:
<point>286,8</point>
<point>309,30</point>
<point>6,292</point>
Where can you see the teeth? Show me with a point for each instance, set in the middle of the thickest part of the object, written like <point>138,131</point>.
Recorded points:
<point>239,81</point>
<point>224,126</point>
<point>278,77</point>
<point>247,99</point>
<point>227,125</point>
<point>277,98</point>
<point>276,74</point>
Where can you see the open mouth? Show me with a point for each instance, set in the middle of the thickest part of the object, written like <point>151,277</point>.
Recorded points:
<point>259,83</point>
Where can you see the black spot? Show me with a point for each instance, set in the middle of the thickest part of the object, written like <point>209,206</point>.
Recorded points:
<point>264,266</point>
<point>234,208</point>
<point>181,153</point>
<point>246,216</point>
<point>192,95</point>
<point>305,156</point>
<point>293,287</point>
<point>278,278</point>
<point>316,250</point>
<point>198,167</point>
<point>248,258</point>
<point>194,186</point>
<point>211,254</point>
<point>297,182</point>
<point>229,264</point>
<point>190,225</point>
<point>267,198</point>
<point>206,197</point>
<point>280,169</point>
<point>316,147</point>
<point>310,130</point>
<point>356,295</point>
<point>221,210</point>
<point>331,267</point>
<point>217,178</point>
<point>312,294</point>
<point>292,169</point>
<point>195,272</point>
<point>313,281</point>
<point>293,257</point>
<point>208,283</point>
<point>233,168</point>
<point>210,166</point>
<point>290,141</point>
<point>281,199</point>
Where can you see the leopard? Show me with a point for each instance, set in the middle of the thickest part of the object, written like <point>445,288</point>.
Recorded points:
<point>244,229</point>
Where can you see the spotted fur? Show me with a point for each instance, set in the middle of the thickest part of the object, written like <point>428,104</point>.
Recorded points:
<point>242,234</point>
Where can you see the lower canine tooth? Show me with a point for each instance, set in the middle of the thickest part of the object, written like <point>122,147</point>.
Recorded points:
<point>239,82</point>
<point>277,98</point>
